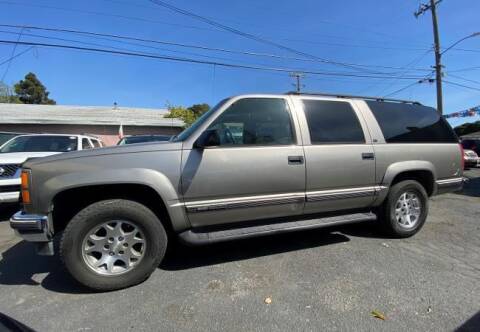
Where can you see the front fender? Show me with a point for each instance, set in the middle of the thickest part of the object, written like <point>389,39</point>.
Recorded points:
<point>148,177</point>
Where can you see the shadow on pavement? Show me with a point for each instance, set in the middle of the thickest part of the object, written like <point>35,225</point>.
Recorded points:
<point>473,324</point>
<point>472,187</point>
<point>180,257</point>
<point>20,264</point>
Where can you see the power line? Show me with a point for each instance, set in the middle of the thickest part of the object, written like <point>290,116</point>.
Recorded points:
<point>90,12</point>
<point>461,85</point>
<point>162,42</point>
<point>249,35</point>
<point>189,60</point>
<point>129,50</point>
<point>112,47</point>
<point>96,34</point>
<point>11,56</point>
<point>412,63</point>
<point>409,86</point>
<point>464,79</point>
<point>464,69</point>
<point>16,55</point>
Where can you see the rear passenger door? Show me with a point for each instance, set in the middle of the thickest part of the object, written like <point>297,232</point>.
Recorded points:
<point>339,156</point>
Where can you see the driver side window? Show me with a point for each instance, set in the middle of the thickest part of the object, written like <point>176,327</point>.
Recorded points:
<point>255,121</point>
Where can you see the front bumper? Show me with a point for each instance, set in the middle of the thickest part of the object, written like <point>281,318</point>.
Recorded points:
<point>9,197</point>
<point>32,227</point>
<point>9,190</point>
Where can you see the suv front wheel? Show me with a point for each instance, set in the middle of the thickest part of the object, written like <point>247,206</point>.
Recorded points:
<point>113,244</point>
<point>405,210</point>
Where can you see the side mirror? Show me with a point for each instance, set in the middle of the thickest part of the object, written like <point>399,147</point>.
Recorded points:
<point>207,138</point>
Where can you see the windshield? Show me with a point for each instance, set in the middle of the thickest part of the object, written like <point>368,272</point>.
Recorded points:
<point>188,131</point>
<point>4,137</point>
<point>40,144</point>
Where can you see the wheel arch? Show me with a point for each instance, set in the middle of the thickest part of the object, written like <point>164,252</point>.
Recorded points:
<point>72,192</point>
<point>418,170</point>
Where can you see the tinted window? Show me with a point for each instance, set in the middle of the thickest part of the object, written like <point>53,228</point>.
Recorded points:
<point>41,144</point>
<point>332,122</point>
<point>255,121</point>
<point>408,123</point>
<point>86,144</point>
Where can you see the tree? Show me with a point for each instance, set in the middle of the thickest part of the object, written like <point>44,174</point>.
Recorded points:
<point>31,91</point>
<point>467,128</point>
<point>187,115</point>
<point>199,109</point>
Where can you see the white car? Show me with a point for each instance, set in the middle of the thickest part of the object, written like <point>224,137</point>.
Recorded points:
<point>470,158</point>
<point>17,150</point>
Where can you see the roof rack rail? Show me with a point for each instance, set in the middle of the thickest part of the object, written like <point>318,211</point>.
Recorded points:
<point>354,97</point>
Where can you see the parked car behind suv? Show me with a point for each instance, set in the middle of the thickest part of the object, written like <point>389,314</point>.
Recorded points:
<point>470,158</point>
<point>253,165</point>
<point>22,147</point>
<point>471,144</point>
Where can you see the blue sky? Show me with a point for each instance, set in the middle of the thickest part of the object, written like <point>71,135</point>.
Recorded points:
<point>370,32</point>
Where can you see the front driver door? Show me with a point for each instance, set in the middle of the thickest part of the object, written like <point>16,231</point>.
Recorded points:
<point>257,171</point>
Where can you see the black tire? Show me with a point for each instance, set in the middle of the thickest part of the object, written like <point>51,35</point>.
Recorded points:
<point>387,216</point>
<point>71,244</point>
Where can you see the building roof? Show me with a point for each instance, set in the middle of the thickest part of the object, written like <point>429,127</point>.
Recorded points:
<point>85,115</point>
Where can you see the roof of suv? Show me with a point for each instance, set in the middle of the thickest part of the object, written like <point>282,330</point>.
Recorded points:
<point>353,97</point>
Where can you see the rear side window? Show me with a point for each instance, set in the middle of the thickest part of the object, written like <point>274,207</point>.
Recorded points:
<point>332,122</point>
<point>409,123</point>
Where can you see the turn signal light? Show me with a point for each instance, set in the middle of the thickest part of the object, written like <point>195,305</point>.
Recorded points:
<point>25,186</point>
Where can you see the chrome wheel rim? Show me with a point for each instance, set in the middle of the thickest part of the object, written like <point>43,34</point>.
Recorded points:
<point>408,210</point>
<point>114,247</point>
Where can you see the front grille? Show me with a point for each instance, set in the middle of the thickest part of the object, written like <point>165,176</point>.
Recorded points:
<point>11,188</point>
<point>8,170</point>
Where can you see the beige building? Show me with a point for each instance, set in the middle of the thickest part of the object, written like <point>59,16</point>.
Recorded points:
<point>100,121</point>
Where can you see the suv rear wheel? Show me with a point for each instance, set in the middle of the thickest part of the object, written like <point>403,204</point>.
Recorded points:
<point>113,244</point>
<point>405,210</point>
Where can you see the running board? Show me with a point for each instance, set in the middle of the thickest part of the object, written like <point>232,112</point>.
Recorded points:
<point>192,237</point>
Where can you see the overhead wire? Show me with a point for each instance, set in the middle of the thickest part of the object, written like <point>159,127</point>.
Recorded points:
<point>197,61</point>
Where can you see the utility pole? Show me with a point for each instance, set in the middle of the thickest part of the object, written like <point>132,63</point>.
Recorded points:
<point>438,54</point>
<point>297,77</point>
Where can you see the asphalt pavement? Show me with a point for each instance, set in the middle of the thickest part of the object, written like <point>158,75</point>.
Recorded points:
<point>329,279</point>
